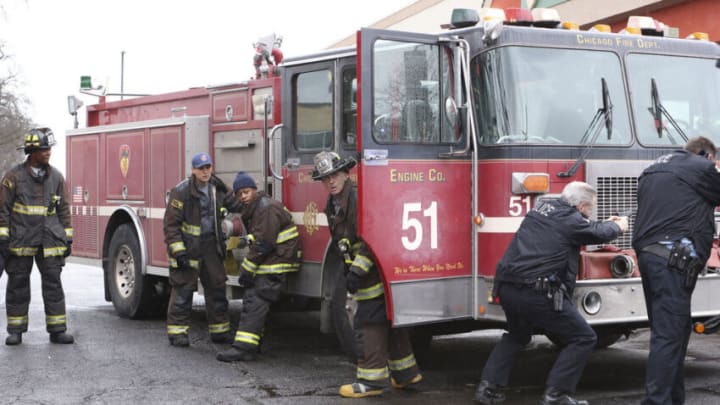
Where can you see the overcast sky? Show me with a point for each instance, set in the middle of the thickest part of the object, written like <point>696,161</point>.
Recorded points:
<point>169,44</point>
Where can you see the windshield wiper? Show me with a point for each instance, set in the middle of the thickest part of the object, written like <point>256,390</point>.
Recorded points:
<point>658,110</point>
<point>594,129</point>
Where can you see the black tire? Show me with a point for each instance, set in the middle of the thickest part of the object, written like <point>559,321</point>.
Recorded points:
<point>607,338</point>
<point>133,295</point>
<point>343,309</point>
<point>421,340</point>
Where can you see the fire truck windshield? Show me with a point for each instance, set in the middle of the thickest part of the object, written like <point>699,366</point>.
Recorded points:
<point>546,95</point>
<point>688,89</point>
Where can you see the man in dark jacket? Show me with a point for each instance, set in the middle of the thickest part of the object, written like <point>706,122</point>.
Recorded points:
<point>387,351</point>
<point>274,250</point>
<point>35,224</point>
<point>541,261</point>
<point>196,248</point>
<point>673,235</point>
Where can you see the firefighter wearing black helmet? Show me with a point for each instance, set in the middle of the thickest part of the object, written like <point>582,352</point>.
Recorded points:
<point>387,353</point>
<point>35,225</point>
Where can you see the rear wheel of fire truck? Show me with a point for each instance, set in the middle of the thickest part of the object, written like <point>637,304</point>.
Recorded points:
<point>343,308</point>
<point>133,295</point>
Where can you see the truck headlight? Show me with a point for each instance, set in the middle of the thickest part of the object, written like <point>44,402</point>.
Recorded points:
<point>592,302</point>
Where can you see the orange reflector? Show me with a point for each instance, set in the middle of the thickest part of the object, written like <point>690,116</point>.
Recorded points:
<point>530,183</point>
<point>632,30</point>
<point>481,309</point>
<point>699,327</point>
<point>568,25</point>
<point>479,220</point>
<point>537,183</point>
<point>600,28</point>
<point>703,36</point>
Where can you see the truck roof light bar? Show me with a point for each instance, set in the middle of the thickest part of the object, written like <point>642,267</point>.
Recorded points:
<point>545,17</point>
<point>518,16</point>
<point>643,25</point>
<point>492,14</point>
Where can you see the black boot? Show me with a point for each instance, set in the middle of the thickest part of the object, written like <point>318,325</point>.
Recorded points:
<point>487,393</point>
<point>554,396</point>
<point>13,339</point>
<point>62,338</point>
<point>235,354</point>
<point>179,340</point>
<point>225,337</point>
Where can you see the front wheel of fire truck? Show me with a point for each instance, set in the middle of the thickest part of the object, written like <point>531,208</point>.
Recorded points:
<point>133,294</point>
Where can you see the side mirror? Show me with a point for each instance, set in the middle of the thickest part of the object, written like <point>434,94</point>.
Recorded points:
<point>451,113</point>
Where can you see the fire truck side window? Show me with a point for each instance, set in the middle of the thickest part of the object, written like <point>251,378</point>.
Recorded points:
<point>691,98</point>
<point>349,108</point>
<point>407,92</point>
<point>313,110</point>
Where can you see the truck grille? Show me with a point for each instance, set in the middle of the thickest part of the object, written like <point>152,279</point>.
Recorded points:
<point>616,195</point>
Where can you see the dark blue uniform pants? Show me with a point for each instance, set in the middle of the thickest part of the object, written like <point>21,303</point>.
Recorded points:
<point>527,310</point>
<point>668,307</point>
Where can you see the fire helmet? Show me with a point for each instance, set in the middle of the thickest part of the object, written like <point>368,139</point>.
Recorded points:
<point>38,139</point>
<point>327,163</point>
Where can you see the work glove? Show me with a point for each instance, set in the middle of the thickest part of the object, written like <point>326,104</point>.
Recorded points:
<point>264,247</point>
<point>247,279</point>
<point>68,250</point>
<point>5,249</point>
<point>182,261</point>
<point>352,283</point>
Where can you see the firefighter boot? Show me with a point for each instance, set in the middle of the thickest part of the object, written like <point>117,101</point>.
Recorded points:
<point>406,384</point>
<point>235,354</point>
<point>487,393</point>
<point>13,339</point>
<point>554,396</point>
<point>225,337</point>
<point>62,338</point>
<point>180,340</point>
<point>359,390</point>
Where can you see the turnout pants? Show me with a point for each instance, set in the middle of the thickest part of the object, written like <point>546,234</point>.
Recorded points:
<point>17,297</point>
<point>527,310</point>
<point>184,284</point>
<point>668,307</point>
<point>256,305</point>
<point>387,352</point>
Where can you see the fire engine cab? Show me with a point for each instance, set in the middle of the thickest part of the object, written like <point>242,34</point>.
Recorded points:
<point>458,135</point>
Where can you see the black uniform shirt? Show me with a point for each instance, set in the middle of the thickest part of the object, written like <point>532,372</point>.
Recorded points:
<point>677,196</point>
<point>548,242</point>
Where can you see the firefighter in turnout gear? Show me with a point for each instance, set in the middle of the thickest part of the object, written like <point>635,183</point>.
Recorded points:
<point>387,351</point>
<point>196,248</point>
<point>35,225</point>
<point>274,250</point>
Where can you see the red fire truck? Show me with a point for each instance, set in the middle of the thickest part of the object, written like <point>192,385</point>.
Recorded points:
<point>457,134</point>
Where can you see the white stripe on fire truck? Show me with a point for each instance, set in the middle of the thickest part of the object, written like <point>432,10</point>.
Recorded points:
<point>159,213</point>
<point>500,225</point>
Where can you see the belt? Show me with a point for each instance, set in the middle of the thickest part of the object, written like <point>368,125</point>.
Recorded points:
<point>658,250</point>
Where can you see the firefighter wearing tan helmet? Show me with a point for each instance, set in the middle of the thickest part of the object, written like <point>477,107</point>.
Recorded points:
<point>35,225</point>
<point>387,353</point>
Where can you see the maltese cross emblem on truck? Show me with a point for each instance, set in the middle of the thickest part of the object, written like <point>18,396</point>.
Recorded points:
<point>124,159</point>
